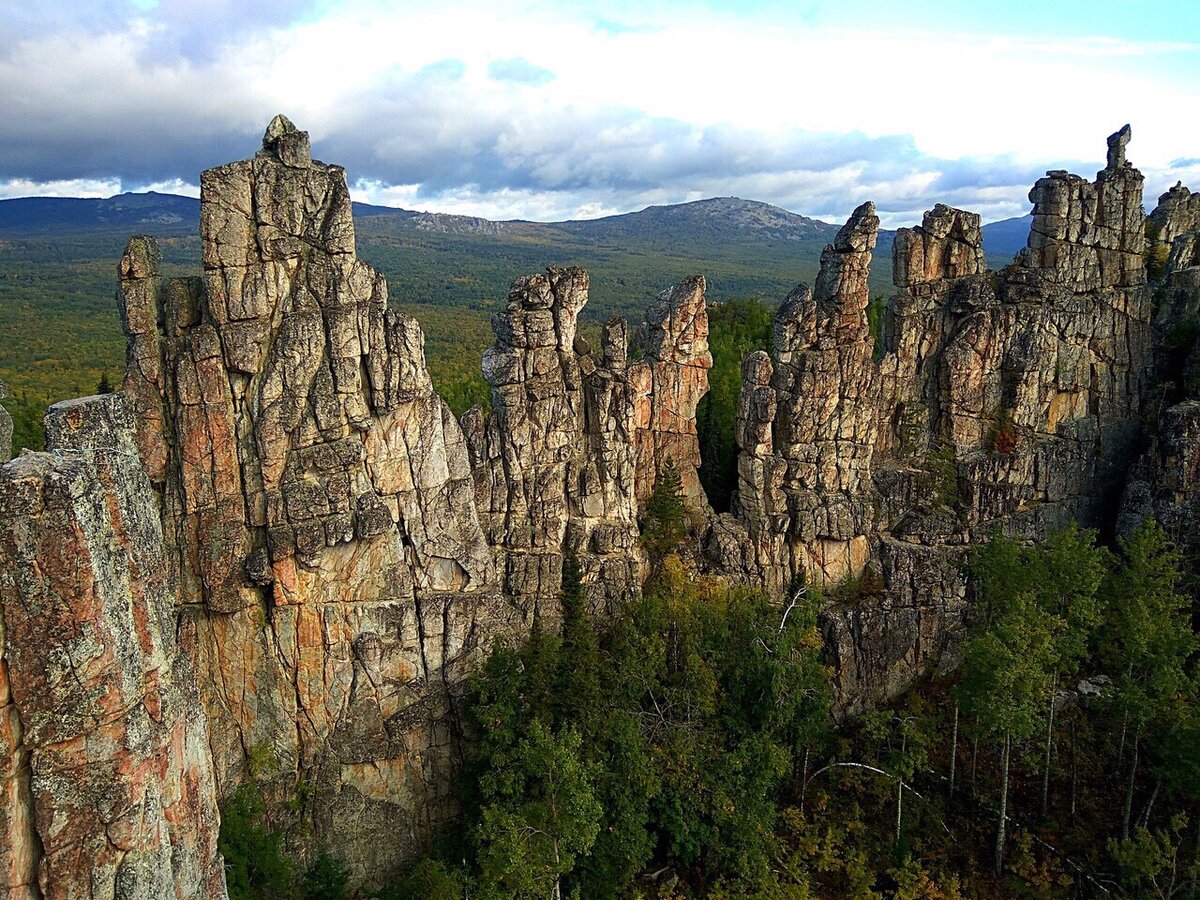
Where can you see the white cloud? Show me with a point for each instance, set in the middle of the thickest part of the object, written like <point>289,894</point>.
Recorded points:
<point>71,187</point>
<point>663,108</point>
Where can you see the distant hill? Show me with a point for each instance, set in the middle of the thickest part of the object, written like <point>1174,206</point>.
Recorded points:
<point>38,215</point>
<point>1004,239</point>
<point>746,248</point>
<point>58,261</point>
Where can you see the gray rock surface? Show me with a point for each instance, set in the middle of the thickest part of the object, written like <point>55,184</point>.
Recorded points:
<point>553,463</point>
<point>997,400</point>
<point>108,783</point>
<point>1165,481</point>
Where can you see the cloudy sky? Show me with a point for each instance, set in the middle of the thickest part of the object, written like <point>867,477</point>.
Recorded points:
<point>560,110</point>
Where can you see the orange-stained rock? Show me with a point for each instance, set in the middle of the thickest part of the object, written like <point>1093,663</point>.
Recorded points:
<point>108,784</point>
<point>669,382</point>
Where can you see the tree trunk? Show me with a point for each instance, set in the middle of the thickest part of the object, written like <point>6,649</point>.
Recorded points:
<point>1074,766</point>
<point>1049,747</point>
<point>974,759</point>
<point>1129,789</point>
<point>1144,819</point>
<point>1003,808</point>
<point>804,782</point>
<point>953,750</point>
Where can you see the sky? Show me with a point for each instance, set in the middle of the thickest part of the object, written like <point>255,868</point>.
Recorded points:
<point>551,111</point>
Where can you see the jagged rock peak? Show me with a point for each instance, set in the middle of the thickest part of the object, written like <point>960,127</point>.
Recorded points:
<point>860,231</point>
<point>668,383</point>
<point>947,244</point>
<point>841,292</point>
<point>676,326</point>
<point>288,144</point>
<point>1117,142</point>
<point>1089,235</point>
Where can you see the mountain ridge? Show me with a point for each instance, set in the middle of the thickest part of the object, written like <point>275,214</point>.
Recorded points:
<point>30,215</point>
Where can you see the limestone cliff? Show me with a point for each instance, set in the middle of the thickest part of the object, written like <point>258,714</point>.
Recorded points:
<point>311,551</point>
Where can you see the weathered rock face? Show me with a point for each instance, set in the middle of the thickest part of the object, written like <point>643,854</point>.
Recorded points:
<point>806,427</point>
<point>318,504</point>
<point>1165,481</point>
<point>668,383</point>
<point>554,464</point>
<point>321,550</point>
<point>6,427</point>
<point>1177,214</point>
<point>108,786</point>
<point>1005,400</point>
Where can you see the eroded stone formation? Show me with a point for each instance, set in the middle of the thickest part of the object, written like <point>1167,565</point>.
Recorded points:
<point>1165,481</point>
<point>668,383</point>
<point>293,581</point>
<point>997,400</point>
<point>108,786</point>
<point>554,466</point>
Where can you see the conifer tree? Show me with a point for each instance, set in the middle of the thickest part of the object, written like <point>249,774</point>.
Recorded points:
<point>664,518</point>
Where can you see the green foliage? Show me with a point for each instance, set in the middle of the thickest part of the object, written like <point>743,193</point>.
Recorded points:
<point>687,734</point>
<point>1149,637</point>
<point>104,386</point>
<point>668,731</point>
<point>664,521</point>
<point>27,415</point>
<point>255,865</point>
<point>1156,253</point>
<point>326,879</point>
<point>1149,860</point>
<point>429,879</point>
<point>539,814</point>
<point>735,328</point>
<point>1010,656</point>
<point>940,477</point>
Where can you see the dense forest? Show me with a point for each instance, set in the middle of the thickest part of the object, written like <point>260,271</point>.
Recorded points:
<point>687,746</point>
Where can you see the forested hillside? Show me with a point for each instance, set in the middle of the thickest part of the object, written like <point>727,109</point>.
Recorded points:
<point>684,747</point>
<point>58,275</point>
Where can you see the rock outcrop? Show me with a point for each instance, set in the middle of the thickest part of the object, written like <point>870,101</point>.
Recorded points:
<point>312,552</point>
<point>1005,400</point>
<point>6,427</point>
<point>668,383</point>
<point>1165,481</point>
<point>318,504</point>
<point>108,785</point>
<point>554,464</point>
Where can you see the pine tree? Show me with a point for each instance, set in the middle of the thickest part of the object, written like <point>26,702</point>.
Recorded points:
<point>664,518</point>
<point>1149,642</point>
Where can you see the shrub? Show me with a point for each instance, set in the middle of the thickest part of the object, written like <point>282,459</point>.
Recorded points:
<point>326,879</point>
<point>255,865</point>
